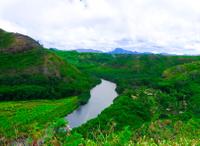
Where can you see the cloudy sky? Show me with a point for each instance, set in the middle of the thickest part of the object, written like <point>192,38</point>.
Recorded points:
<point>171,26</point>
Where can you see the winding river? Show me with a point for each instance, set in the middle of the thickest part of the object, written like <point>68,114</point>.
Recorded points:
<point>101,97</point>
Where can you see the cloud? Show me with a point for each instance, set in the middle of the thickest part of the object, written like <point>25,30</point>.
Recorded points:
<point>105,24</point>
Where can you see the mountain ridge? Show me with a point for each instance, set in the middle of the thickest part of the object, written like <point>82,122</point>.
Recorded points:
<point>16,42</point>
<point>88,51</point>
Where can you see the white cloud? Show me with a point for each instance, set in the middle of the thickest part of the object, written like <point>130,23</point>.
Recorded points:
<point>104,24</point>
<point>9,26</point>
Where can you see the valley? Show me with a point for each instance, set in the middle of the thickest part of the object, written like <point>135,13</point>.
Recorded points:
<point>157,104</point>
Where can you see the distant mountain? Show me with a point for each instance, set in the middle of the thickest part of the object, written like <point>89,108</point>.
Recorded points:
<point>54,49</point>
<point>115,51</point>
<point>146,53</point>
<point>88,51</point>
<point>166,54</point>
<point>123,51</point>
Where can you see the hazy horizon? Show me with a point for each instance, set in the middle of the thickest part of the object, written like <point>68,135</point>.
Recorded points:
<point>158,26</point>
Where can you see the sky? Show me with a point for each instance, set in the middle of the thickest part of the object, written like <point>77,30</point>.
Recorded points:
<point>158,26</point>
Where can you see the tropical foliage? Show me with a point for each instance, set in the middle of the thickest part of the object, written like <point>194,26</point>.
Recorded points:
<point>158,102</point>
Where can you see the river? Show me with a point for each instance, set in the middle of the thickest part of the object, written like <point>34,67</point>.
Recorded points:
<point>101,97</point>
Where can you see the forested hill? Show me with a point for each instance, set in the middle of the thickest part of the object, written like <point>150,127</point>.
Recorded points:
<point>158,103</point>
<point>29,71</point>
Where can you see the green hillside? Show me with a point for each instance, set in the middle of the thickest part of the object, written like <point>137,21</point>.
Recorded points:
<point>159,99</point>
<point>28,71</point>
<point>30,118</point>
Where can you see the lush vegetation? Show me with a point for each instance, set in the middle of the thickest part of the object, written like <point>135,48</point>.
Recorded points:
<point>161,132</point>
<point>6,39</point>
<point>158,102</point>
<point>128,71</point>
<point>153,89</point>
<point>23,119</point>
<point>37,73</point>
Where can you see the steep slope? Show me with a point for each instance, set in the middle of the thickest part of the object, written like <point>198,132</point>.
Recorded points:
<point>28,71</point>
<point>15,42</point>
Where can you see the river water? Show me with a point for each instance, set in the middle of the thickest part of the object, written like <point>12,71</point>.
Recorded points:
<point>101,97</point>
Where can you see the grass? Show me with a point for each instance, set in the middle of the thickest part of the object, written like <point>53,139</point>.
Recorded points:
<point>158,133</point>
<point>18,119</point>
<point>6,39</point>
